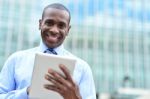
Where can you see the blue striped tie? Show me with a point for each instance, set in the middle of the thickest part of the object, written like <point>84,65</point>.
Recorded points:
<point>51,50</point>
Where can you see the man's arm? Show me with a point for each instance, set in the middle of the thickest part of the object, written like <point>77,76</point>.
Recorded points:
<point>87,86</point>
<point>8,84</point>
<point>16,94</point>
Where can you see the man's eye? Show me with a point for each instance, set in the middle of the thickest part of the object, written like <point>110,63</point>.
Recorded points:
<point>61,26</point>
<point>49,23</point>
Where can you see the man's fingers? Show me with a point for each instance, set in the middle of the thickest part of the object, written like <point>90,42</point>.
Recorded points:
<point>52,87</point>
<point>48,77</point>
<point>59,79</point>
<point>53,80</point>
<point>53,72</point>
<point>66,72</point>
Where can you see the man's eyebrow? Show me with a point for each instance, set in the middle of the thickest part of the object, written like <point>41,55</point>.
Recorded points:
<point>48,19</point>
<point>62,22</point>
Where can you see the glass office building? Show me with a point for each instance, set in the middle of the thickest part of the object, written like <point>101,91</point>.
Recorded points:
<point>113,36</point>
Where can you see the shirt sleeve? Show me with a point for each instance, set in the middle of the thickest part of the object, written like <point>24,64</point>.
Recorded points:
<point>15,94</point>
<point>8,84</point>
<point>87,86</point>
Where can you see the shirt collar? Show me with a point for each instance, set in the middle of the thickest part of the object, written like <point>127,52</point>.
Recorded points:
<point>43,47</point>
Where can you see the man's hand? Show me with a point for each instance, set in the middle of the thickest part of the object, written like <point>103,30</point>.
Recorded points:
<point>28,90</point>
<point>65,86</point>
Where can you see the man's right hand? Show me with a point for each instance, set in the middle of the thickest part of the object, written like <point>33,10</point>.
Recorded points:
<point>28,90</point>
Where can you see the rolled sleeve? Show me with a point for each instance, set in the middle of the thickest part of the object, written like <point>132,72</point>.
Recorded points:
<point>22,94</point>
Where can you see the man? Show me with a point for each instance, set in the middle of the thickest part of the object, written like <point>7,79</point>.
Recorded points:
<point>15,77</point>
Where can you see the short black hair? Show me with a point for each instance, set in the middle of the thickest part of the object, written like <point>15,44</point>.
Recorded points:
<point>57,6</point>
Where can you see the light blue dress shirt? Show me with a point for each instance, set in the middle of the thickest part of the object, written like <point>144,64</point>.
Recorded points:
<point>16,74</point>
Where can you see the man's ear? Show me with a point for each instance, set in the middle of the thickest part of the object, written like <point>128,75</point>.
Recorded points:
<point>40,23</point>
<point>68,29</point>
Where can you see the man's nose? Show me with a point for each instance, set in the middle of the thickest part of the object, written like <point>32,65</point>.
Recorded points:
<point>54,29</point>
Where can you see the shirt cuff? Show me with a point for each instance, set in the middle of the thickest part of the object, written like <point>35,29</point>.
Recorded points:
<point>22,94</point>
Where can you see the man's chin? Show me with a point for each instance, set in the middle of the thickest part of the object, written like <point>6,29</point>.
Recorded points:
<point>52,45</point>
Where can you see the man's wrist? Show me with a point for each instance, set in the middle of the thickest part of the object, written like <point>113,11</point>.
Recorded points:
<point>28,89</point>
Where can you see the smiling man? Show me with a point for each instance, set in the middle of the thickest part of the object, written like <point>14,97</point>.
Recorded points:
<point>15,77</point>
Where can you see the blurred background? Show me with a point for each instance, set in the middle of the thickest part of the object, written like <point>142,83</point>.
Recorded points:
<point>113,36</point>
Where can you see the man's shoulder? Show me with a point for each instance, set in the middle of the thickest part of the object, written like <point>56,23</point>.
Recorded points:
<point>80,61</point>
<point>22,53</point>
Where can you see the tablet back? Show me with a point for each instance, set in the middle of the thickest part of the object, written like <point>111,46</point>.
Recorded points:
<point>41,64</point>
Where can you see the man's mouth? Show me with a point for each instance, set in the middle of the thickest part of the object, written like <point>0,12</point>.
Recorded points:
<point>52,37</point>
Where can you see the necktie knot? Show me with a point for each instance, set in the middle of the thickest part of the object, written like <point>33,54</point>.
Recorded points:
<point>51,50</point>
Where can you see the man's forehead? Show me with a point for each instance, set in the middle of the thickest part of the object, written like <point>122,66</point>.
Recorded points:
<point>55,10</point>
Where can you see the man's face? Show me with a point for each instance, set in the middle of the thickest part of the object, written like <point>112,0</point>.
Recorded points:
<point>54,27</point>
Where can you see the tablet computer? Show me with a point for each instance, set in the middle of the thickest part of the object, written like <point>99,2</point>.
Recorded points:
<point>42,63</point>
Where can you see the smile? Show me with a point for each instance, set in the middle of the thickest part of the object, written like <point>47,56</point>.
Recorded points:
<point>54,35</point>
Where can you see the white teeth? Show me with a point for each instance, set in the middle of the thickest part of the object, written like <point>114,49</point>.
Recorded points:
<point>52,35</point>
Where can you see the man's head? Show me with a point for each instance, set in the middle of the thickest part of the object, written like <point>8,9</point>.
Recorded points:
<point>54,25</point>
